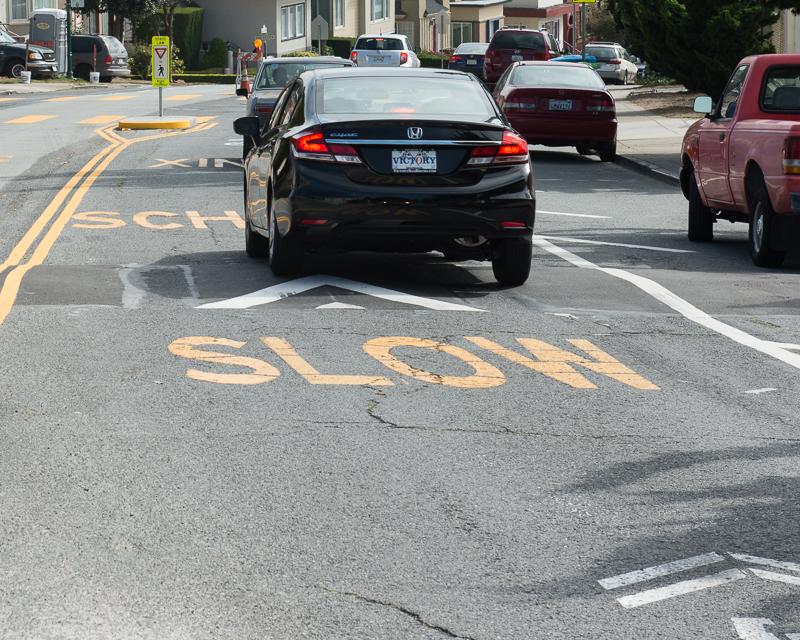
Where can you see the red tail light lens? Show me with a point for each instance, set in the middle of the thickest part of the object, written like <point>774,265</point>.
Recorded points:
<point>354,56</point>
<point>403,57</point>
<point>265,109</point>
<point>456,58</point>
<point>614,61</point>
<point>512,150</point>
<point>791,156</point>
<point>313,143</point>
<point>108,60</point>
<point>597,105</point>
<point>312,146</point>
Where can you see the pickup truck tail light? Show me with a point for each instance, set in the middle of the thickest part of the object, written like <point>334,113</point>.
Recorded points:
<point>791,156</point>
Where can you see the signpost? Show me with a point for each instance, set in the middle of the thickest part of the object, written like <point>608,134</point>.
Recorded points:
<point>159,67</point>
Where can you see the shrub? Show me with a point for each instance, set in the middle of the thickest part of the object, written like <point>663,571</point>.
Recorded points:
<point>433,60</point>
<point>140,56</point>
<point>188,33</point>
<point>300,53</point>
<point>217,54</point>
<point>341,46</point>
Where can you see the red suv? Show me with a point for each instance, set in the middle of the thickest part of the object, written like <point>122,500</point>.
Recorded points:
<point>515,45</point>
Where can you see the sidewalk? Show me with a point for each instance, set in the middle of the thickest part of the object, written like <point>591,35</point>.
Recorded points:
<point>647,141</point>
<point>7,88</point>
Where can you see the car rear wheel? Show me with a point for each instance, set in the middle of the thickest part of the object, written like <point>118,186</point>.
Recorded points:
<point>701,219</point>
<point>761,231</point>
<point>15,68</point>
<point>511,261</point>
<point>584,150</point>
<point>607,151</point>
<point>285,252</point>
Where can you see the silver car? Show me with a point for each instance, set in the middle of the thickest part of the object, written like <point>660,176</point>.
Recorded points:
<point>384,51</point>
<point>614,63</point>
<point>272,76</point>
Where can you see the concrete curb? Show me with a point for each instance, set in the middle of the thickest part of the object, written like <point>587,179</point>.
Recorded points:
<point>648,169</point>
<point>140,124</point>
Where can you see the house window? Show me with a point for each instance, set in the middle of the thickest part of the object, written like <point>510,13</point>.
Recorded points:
<point>338,13</point>
<point>44,4</point>
<point>380,10</point>
<point>19,10</point>
<point>491,27</point>
<point>293,21</point>
<point>460,32</point>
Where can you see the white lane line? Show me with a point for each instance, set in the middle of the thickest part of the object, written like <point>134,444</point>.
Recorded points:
<point>793,636</point>
<point>668,568</point>
<point>685,308</point>
<point>753,628</point>
<point>756,392</point>
<point>681,588</point>
<point>766,562</point>
<point>572,215</point>
<point>616,244</point>
<point>786,345</point>
<point>776,577</point>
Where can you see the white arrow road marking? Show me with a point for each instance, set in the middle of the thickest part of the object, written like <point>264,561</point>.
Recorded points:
<point>300,285</point>
<point>753,628</point>
<point>766,562</point>
<point>573,215</point>
<point>776,577</point>
<point>680,588</point>
<point>616,244</point>
<point>683,307</point>
<point>338,305</point>
<point>660,570</point>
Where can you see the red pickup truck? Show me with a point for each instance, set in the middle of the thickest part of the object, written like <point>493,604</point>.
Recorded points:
<point>742,161</point>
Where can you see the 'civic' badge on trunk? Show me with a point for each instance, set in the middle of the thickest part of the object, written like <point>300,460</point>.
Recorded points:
<point>414,133</point>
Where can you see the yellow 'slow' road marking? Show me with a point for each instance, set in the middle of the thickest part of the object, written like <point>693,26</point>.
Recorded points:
<point>5,159</point>
<point>108,119</point>
<point>62,99</point>
<point>8,99</point>
<point>182,96</point>
<point>32,119</point>
<point>116,98</point>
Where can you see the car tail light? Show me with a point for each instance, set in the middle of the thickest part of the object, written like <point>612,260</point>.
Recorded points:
<point>791,156</point>
<point>265,109</point>
<point>596,105</point>
<point>519,105</point>
<point>614,61</point>
<point>512,224</point>
<point>312,146</point>
<point>512,150</point>
<point>456,58</point>
<point>403,57</point>
<point>354,56</point>
<point>108,60</point>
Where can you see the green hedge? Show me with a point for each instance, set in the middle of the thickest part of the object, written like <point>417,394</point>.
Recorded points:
<point>341,46</point>
<point>211,78</point>
<point>188,27</point>
<point>217,54</point>
<point>433,60</point>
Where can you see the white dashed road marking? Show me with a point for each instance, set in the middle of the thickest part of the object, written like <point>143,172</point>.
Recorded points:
<point>660,570</point>
<point>573,215</point>
<point>681,588</point>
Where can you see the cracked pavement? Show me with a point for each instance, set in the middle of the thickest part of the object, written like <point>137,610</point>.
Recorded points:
<point>146,495</point>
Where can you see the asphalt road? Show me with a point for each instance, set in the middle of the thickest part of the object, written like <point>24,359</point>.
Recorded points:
<point>400,449</point>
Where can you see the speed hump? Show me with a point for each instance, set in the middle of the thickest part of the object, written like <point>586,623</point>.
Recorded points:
<point>160,61</point>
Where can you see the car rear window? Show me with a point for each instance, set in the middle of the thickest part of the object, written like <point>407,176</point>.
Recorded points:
<point>601,53</point>
<point>534,75</point>
<point>412,95</point>
<point>472,48</point>
<point>379,44</point>
<point>280,74</point>
<point>518,40</point>
<point>114,45</point>
<point>781,90</point>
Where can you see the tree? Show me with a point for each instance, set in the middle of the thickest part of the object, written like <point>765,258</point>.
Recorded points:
<point>136,11</point>
<point>698,42</point>
<point>601,24</point>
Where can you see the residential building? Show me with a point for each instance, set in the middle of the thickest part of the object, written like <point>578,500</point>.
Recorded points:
<point>475,20</point>
<point>557,16</point>
<point>426,23</point>
<point>351,18</point>
<point>786,33</point>
<point>16,13</point>
<point>287,22</point>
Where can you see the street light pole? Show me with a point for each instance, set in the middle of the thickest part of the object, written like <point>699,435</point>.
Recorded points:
<point>69,39</point>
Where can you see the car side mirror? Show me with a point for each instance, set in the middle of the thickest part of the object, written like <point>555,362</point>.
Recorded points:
<point>247,126</point>
<point>703,104</point>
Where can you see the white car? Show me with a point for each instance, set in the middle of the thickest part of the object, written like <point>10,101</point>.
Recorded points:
<point>614,62</point>
<point>390,50</point>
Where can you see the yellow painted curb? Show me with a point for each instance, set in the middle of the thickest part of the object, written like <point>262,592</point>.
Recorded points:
<point>156,123</point>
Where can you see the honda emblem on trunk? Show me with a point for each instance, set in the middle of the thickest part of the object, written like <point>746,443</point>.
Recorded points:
<point>414,133</point>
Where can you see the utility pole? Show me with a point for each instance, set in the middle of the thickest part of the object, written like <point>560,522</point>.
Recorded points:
<point>69,39</point>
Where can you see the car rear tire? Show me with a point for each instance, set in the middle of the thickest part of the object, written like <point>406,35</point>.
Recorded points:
<point>584,150</point>
<point>607,151</point>
<point>511,261</point>
<point>14,68</point>
<point>701,219</point>
<point>761,231</point>
<point>255,245</point>
<point>285,252</point>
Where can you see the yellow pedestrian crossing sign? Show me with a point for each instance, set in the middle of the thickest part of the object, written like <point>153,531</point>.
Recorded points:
<point>160,61</point>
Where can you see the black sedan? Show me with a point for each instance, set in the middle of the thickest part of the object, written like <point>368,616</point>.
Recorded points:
<point>468,57</point>
<point>408,160</point>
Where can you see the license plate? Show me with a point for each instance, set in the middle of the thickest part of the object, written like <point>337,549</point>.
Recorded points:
<point>377,58</point>
<point>516,58</point>
<point>472,62</point>
<point>413,161</point>
<point>561,105</point>
<point>121,61</point>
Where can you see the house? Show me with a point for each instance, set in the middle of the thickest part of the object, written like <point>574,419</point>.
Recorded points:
<point>557,16</point>
<point>475,20</point>
<point>240,22</point>
<point>786,33</point>
<point>16,13</point>
<point>352,18</point>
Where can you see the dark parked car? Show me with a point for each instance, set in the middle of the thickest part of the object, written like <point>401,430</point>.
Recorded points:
<point>469,57</point>
<point>104,54</point>
<point>514,45</point>
<point>273,75</point>
<point>41,61</point>
<point>388,159</point>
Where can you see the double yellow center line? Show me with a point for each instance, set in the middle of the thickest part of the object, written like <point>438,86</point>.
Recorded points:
<point>54,218</point>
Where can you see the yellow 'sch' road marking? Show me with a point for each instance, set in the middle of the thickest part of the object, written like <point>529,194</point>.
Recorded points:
<point>116,98</point>
<point>62,99</point>
<point>31,119</point>
<point>75,189</point>
<point>182,96</point>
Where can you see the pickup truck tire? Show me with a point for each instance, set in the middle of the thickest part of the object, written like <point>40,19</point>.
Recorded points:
<point>14,68</point>
<point>511,261</point>
<point>701,220</point>
<point>761,230</point>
